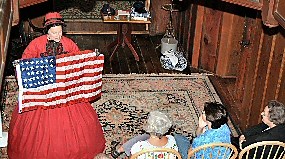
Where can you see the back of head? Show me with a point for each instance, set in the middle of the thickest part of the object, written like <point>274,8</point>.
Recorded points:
<point>276,112</point>
<point>53,19</point>
<point>158,123</point>
<point>101,156</point>
<point>216,113</point>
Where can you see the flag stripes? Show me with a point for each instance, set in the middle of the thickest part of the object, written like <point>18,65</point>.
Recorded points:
<point>78,78</point>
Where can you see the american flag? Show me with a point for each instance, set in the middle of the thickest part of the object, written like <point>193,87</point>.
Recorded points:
<point>59,81</point>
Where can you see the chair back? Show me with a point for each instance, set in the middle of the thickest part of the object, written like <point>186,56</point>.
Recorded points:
<point>215,151</point>
<point>163,153</point>
<point>264,150</point>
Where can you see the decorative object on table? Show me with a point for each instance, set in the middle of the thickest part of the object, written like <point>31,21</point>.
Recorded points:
<point>139,12</point>
<point>139,7</point>
<point>173,60</point>
<point>107,10</point>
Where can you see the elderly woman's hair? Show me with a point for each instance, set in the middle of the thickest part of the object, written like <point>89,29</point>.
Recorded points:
<point>101,156</point>
<point>216,113</point>
<point>276,112</point>
<point>158,123</point>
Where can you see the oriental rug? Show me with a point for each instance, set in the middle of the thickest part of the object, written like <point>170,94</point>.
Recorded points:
<point>127,99</point>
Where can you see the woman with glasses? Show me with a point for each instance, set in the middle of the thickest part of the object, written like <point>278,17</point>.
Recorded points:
<point>272,127</point>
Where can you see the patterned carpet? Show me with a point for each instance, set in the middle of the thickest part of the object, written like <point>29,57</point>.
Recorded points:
<point>127,100</point>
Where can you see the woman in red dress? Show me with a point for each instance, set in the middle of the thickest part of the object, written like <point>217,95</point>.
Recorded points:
<point>72,132</point>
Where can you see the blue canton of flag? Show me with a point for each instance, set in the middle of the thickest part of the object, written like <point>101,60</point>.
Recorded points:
<point>36,72</point>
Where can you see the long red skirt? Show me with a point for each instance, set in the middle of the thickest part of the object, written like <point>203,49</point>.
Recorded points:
<point>72,132</point>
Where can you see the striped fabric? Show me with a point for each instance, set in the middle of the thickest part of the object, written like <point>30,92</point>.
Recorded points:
<point>66,79</point>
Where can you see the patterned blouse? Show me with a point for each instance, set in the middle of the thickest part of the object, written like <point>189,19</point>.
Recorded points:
<point>142,145</point>
<point>221,134</point>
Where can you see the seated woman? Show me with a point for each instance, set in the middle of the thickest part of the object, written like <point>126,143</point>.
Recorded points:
<point>212,128</point>
<point>272,127</point>
<point>157,126</point>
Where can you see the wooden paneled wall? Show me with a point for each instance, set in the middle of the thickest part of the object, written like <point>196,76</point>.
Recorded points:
<point>231,42</point>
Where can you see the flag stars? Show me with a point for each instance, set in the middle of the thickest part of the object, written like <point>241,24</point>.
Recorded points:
<point>38,72</point>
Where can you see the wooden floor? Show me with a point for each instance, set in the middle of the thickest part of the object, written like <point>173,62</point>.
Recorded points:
<point>124,62</point>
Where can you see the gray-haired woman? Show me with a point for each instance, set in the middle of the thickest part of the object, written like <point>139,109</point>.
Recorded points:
<point>272,127</point>
<point>158,124</point>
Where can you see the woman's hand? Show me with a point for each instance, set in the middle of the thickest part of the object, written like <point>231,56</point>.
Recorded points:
<point>201,126</point>
<point>202,123</point>
<point>241,139</point>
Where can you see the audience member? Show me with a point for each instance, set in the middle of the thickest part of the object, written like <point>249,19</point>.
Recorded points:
<point>157,126</point>
<point>212,128</point>
<point>272,127</point>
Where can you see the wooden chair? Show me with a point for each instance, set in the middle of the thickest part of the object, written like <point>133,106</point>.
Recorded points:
<point>264,150</point>
<point>166,152</point>
<point>217,150</point>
